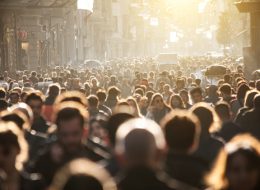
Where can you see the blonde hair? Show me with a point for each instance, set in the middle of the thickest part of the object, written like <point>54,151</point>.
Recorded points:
<point>75,96</point>
<point>137,112</point>
<point>217,176</point>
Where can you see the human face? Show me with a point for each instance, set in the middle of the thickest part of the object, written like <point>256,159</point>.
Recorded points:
<point>196,97</point>
<point>158,102</point>
<point>166,89</point>
<point>184,97</point>
<point>36,106</point>
<point>240,175</point>
<point>175,103</point>
<point>14,98</point>
<point>70,134</point>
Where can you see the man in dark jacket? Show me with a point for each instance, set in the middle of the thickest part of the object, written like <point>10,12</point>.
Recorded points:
<point>139,146</point>
<point>71,119</point>
<point>182,132</point>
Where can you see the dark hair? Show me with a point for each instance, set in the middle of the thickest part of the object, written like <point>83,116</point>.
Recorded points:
<point>241,93</point>
<point>2,93</point>
<point>250,154</point>
<point>67,114</point>
<point>249,98</point>
<point>3,104</point>
<point>157,95</point>
<point>205,115</point>
<point>139,91</point>
<point>226,88</point>
<point>113,91</point>
<point>183,91</point>
<point>93,101</point>
<point>227,78</point>
<point>101,95</point>
<point>257,101</point>
<point>14,117</point>
<point>196,90</point>
<point>33,73</point>
<point>14,93</point>
<point>113,124</point>
<point>34,96</point>
<point>149,95</point>
<point>181,106</point>
<point>181,131</point>
<point>82,182</point>
<point>198,82</point>
<point>7,140</point>
<point>222,109</point>
<point>54,90</point>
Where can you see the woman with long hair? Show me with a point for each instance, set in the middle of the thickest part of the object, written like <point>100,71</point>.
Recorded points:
<point>157,108</point>
<point>237,166</point>
<point>176,102</point>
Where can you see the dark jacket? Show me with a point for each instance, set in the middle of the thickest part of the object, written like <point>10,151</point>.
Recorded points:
<point>186,168</point>
<point>141,178</point>
<point>251,122</point>
<point>47,167</point>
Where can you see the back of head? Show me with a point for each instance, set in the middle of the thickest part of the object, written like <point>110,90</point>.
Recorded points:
<point>241,92</point>
<point>101,95</point>
<point>113,124</point>
<point>257,84</point>
<point>12,137</point>
<point>54,90</point>
<point>74,96</point>
<point>182,131</point>
<point>207,117</point>
<point>82,182</point>
<point>223,110</point>
<point>257,102</point>
<point>2,93</point>
<point>34,96</point>
<point>3,105</point>
<point>225,89</point>
<point>113,91</point>
<point>81,174</point>
<point>138,142</point>
<point>249,98</point>
<point>196,90</point>
<point>93,101</point>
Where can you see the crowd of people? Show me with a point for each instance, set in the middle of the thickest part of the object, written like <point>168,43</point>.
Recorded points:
<point>131,125</point>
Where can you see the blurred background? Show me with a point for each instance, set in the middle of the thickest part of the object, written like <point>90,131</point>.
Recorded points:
<point>36,33</point>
